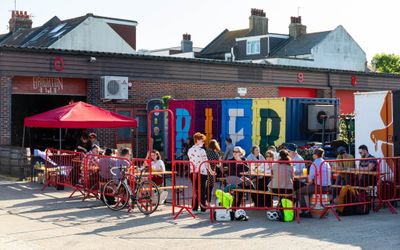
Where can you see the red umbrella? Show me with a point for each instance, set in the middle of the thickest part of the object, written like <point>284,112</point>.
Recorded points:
<point>78,115</point>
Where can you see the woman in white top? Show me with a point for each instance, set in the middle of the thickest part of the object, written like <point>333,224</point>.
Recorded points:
<point>157,165</point>
<point>198,157</point>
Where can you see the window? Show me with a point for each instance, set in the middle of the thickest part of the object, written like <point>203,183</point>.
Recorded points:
<point>253,47</point>
<point>56,29</point>
<point>124,134</point>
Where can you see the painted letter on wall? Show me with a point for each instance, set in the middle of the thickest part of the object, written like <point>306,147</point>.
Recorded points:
<point>235,136</point>
<point>183,119</point>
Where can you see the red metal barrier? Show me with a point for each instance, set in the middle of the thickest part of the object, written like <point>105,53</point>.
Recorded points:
<point>183,191</point>
<point>97,172</point>
<point>64,168</point>
<point>354,188</point>
<point>254,185</point>
<point>388,188</point>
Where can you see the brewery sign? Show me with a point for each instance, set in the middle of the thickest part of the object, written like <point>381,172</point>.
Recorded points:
<point>48,85</point>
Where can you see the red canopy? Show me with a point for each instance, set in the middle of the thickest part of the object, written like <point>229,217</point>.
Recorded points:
<point>79,115</point>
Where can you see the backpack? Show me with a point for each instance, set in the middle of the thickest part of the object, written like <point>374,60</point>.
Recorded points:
<point>347,195</point>
<point>286,215</point>
<point>363,208</point>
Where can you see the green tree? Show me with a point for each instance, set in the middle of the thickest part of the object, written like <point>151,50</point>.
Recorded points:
<point>386,63</point>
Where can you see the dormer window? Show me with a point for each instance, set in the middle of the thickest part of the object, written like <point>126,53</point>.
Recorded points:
<point>253,47</point>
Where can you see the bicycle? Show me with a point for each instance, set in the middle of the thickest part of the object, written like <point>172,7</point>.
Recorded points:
<point>116,195</point>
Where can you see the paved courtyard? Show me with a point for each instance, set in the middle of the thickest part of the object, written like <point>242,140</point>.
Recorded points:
<point>31,219</point>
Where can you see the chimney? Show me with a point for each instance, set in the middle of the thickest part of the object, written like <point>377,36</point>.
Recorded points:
<point>19,20</point>
<point>186,43</point>
<point>258,23</point>
<point>296,29</point>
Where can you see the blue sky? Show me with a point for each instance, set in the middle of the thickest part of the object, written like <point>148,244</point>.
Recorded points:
<point>373,24</point>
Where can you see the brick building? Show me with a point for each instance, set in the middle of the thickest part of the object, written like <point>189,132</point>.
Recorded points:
<point>34,80</point>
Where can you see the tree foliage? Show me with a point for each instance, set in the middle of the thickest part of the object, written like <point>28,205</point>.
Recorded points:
<point>386,63</point>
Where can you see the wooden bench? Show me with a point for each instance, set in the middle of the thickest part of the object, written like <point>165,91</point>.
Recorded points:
<point>177,190</point>
<point>369,188</point>
<point>253,191</point>
<point>170,187</point>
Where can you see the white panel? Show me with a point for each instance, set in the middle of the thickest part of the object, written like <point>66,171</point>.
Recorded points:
<point>367,108</point>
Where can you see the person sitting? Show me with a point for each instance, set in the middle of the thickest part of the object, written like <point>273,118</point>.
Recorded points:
<point>282,174</point>
<point>228,154</point>
<point>273,149</point>
<point>369,165</point>
<point>318,179</point>
<point>236,167</point>
<point>258,169</point>
<point>255,156</point>
<point>93,159</point>
<point>83,144</point>
<point>298,164</point>
<point>122,162</point>
<point>157,165</point>
<point>105,164</point>
<point>344,179</point>
<point>93,139</point>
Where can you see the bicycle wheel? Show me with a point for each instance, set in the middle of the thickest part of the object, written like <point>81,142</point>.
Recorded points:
<point>113,198</point>
<point>147,197</point>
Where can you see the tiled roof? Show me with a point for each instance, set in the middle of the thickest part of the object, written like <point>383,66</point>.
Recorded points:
<point>300,46</point>
<point>43,36</point>
<point>224,42</point>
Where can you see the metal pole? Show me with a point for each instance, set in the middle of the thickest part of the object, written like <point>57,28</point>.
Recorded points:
<point>60,139</point>
<point>23,137</point>
<point>137,142</point>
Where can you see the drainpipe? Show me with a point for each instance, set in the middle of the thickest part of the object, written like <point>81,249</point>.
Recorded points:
<point>337,121</point>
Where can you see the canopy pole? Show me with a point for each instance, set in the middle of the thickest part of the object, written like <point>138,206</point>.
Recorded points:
<point>23,137</point>
<point>60,139</point>
<point>137,142</point>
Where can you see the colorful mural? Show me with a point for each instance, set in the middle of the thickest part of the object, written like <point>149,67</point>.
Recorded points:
<point>260,121</point>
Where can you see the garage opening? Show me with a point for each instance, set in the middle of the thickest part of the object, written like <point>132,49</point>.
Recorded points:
<point>41,138</point>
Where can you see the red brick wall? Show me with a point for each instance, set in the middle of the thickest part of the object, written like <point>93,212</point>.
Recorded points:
<point>144,90</point>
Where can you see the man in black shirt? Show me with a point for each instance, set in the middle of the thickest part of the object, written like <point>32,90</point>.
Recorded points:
<point>157,141</point>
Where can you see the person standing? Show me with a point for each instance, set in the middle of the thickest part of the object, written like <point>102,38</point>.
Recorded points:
<point>213,155</point>
<point>228,149</point>
<point>197,157</point>
<point>157,141</point>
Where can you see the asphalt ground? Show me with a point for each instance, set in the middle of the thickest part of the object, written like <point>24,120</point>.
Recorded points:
<point>32,219</point>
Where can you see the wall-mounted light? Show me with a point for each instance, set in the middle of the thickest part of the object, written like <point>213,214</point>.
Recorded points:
<point>92,59</point>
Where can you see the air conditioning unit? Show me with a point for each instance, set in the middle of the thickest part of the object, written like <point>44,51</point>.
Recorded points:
<point>114,88</point>
<point>317,114</point>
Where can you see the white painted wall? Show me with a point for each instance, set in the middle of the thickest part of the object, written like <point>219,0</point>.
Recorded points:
<point>337,51</point>
<point>94,34</point>
<point>367,119</point>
